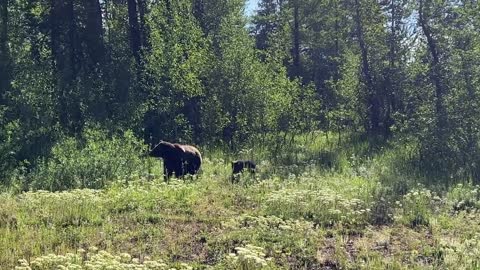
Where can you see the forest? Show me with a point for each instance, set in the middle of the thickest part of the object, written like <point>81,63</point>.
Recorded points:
<point>361,115</point>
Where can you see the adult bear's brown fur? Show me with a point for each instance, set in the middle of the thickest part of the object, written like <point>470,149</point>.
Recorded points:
<point>177,158</point>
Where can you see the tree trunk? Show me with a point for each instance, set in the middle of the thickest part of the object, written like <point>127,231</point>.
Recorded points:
<point>106,18</point>
<point>53,35</point>
<point>389,85</point>
<point>4,52</point>
<point>296,40</point>
<point>63,38</point>
<point>72,39</point>
<point>336,54</point>
<point>144,31</point>
<point>94,27</point>
<point>372,97</point>
<point>135,38</point>
<point>436,72</point>
<point>199,13</point>
<point>471,111</point>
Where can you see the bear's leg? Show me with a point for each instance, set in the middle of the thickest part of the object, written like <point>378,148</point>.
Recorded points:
<point>168,170</point>
<point>178,169</point>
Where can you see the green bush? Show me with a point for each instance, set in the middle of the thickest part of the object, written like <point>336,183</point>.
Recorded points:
<point>418,206</point>
<point>464,197</point>
<point>97,161</point>
<point>8,148</point>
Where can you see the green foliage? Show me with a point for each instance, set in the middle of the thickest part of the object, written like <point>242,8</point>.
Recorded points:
<point>95,163</point>
<point>464,198</point>
<point>176,66</point>
<point>417,206</point>
<point>345,106</point>
<point>201,71</point>
<point>283,220</point>
<point>464,254</point>
<point>8,147</point>
<point>347,112</point>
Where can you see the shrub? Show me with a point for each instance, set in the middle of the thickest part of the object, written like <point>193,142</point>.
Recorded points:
<point>92,164</point>
<point>417,207</point>
<point>8,147</point>
<point>464,197</point>
<point>382,207</point>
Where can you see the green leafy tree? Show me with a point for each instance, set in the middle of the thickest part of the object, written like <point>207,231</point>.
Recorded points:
<point>176,65</point>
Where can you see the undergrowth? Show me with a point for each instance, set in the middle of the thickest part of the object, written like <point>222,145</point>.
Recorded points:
<point>346,209</point>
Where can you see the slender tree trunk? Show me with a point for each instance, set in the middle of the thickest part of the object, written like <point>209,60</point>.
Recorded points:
<point>72,97</point>
<point>389,85</point>
<point>471,109</point>
<point>53,35</point>
<point>58,58</point>
<point>4,52</point>
<point>296,40</point>
<point>169,11</point>
<point>63,38</point>
<point>135,38</point>
<point>144,31</point>
<point>72,39</point>
<point>94,65</point>
<point>94,38</point>
<point>436,72</point>
<point>336,76</point>
<point>372,96</point>
<point>105,19</point>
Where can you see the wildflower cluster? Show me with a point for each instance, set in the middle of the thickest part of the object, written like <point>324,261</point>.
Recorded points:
<point>79,196</point>
<point>464,197</point>
<point>248,257</point>
<point>417,206</point>
<point>270,223</point>
<point>324,207</point>
<point>93,260</point>
<point>149,195</point>
<point>281,236</point>
<point>62,208</point>
<point>464,254</point>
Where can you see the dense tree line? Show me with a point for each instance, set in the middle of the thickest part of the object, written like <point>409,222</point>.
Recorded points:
<point>390,67</point>
<point>198,70</point>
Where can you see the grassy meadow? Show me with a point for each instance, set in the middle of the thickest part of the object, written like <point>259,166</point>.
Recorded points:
<point>320,204</point>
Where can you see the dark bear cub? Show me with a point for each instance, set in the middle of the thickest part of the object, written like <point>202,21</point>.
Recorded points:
<point>239,166</point>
